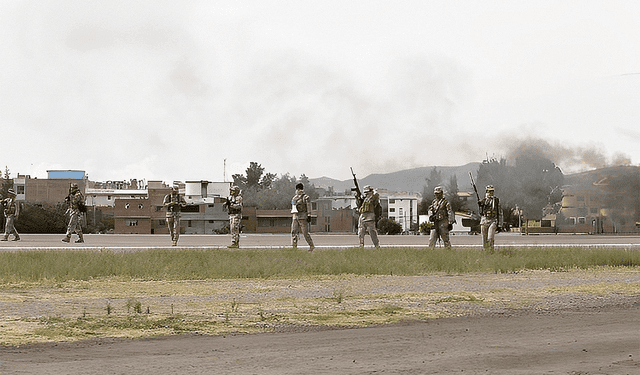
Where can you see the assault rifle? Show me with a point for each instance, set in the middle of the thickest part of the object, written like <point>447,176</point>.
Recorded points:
<point>356,189</point>
<point>473,183</point>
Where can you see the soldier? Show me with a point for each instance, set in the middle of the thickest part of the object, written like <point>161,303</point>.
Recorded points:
<point>174,202</point>
<point>490,211</point>
<point>11,212</point>
<point>301,219</point>
<point>234,206</point>
<point>75,199</point>
<point>367,220</point>
<point>442,217</point>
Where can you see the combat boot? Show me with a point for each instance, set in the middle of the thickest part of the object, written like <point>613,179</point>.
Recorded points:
<point>5,238</point>
<point>66,239</point>
<point>234,245</point>
<point>80,238</point>
<point>16,238</point>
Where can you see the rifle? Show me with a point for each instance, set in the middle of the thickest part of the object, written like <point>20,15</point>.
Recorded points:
<point>356,189</point>
<point>477,195</point>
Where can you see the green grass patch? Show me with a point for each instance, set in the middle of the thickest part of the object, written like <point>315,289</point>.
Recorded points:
<point>193,264</point>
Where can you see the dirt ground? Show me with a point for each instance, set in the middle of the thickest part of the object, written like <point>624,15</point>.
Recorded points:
<point>577,341</point>
<point>558,333</point>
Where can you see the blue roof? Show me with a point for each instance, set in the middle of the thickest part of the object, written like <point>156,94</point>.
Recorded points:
<point>73,175</point>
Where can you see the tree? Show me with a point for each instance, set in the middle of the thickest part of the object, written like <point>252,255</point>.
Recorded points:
<point>451,193</point>
<point>270,192</point>
<point>7,183</point>
<point>388,226</point>
<point>531,184</point>
<point>434,180</point>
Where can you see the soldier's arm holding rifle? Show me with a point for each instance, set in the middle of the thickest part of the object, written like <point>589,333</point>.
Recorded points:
<point>356,189</point>
<point>480,205</point>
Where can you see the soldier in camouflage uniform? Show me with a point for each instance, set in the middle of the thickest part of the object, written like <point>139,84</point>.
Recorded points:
<point>367,220</point>
<point>75,199</point>
<point>234,206</point>
<point>442,217</point>
<point>490,211</point>
<point>11,212</point>
<point>301,219</point>
<point>173,203</point>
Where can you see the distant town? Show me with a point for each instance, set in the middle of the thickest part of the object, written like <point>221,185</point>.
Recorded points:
<point>605,200</point>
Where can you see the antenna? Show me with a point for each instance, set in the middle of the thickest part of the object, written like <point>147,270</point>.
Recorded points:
<point>224,171</point>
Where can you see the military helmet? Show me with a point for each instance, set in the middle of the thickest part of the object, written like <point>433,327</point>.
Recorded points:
<point>234,188</point>
<point>368,188</point>
<point>438,190</point>
<point>490,188</point>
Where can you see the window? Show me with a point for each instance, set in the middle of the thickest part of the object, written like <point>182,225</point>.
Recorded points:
<point>140,206</point>
<point>131,223</point>
<point>20,189</point>
<point>582,220</point>
<point>392,209</point>
<point>126,206</point>
<point>392,201</point>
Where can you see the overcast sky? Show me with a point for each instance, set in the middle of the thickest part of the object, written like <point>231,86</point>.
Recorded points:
<point>167,90</point>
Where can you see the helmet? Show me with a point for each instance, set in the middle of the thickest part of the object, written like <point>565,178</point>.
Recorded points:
<point>438,190</point>
<point>368,189</point>
<point>234,189</point>
<point>490,188</point>
<point>299,186</point>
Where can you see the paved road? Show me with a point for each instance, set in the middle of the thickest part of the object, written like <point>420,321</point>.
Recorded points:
<point>141,241</point>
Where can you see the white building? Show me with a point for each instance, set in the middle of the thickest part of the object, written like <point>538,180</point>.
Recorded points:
<point>402,208</point>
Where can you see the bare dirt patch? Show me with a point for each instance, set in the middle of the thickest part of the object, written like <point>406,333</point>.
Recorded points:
<point>530,322</point>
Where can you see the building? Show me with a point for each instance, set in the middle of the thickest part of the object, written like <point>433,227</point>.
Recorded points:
<point>142,214</point>
<point>403,209</point>
<point>205,212</point>
<point>52,190</point>
<point>605,200</point>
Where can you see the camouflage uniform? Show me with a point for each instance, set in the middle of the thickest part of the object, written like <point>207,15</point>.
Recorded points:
<point>174,203</point>
<point>367,220</point>
<point>442,217</point>
<point>11,212</point>
<point>300,220</point>
<point>490,211</point>
<point>234,205</point>
<point>75,199</point>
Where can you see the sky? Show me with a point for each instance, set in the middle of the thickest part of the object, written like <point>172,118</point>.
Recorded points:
<point>196,90</point>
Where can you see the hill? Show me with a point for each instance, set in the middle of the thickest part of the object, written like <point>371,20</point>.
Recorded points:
<point>408,180</point>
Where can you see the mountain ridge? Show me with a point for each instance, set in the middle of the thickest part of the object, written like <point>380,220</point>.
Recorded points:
<point>408,180</point>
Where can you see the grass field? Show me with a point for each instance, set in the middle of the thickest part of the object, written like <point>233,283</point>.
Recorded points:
<point>188,264</point>
<point>74,295</point>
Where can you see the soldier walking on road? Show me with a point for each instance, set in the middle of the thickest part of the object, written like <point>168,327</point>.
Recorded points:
<point>442,217</point>
<point>234,207</point>
<point>300,207</point>
<point>75,199</point>
<point>490,211</point>
<point>173,203</point>
<point>367,220</point>
<point>11,212</point>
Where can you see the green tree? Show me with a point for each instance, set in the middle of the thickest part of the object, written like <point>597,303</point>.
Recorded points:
<point>531,184</point>
<point>434,180</point>
<point>7,182</point>
<point>451,193</point>
<point>37,218</point>
<point>388,226</point>
<point>267,191</point>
